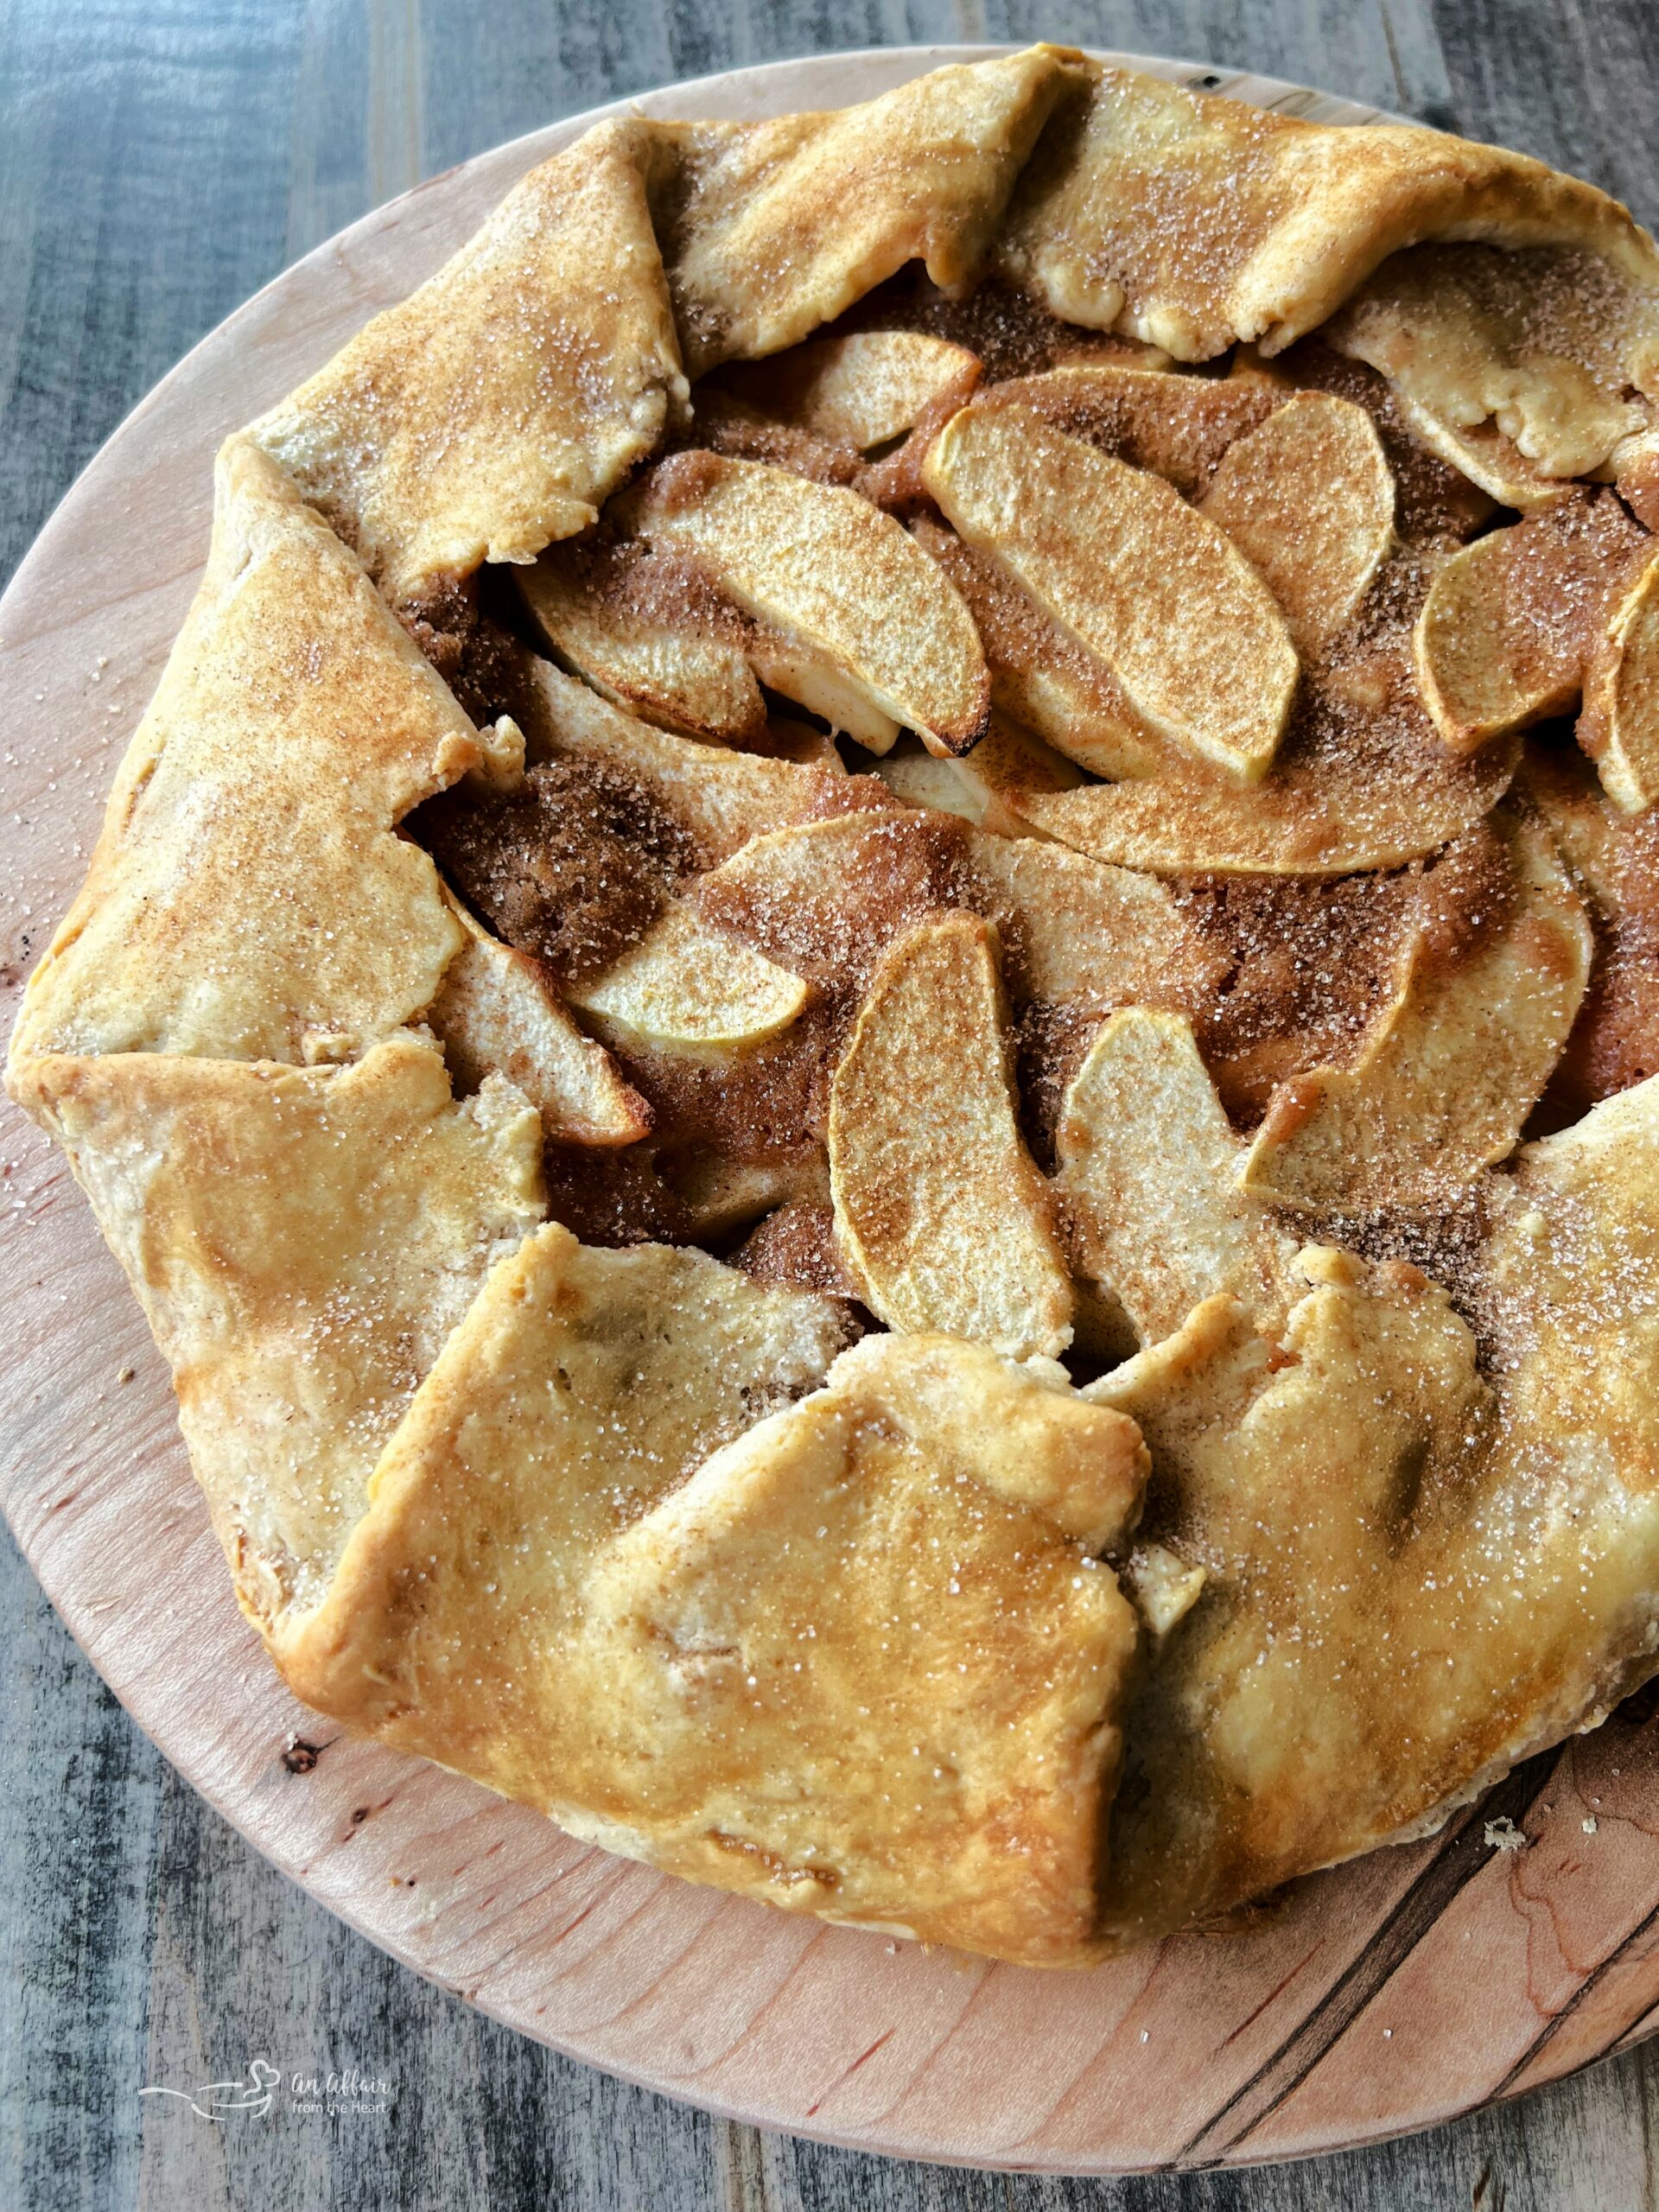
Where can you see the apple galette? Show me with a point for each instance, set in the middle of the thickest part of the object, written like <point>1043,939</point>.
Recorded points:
<point>874,1013</point>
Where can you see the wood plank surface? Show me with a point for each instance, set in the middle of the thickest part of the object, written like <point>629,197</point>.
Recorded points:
<point>158,164</point>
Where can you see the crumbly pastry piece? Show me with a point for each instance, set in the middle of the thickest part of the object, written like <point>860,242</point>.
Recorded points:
<point>302,1241</point>
<point>979,1057</point>
<point>248,898</point>
<point>859,1663</point>
<point>498,407</point>
<point>1524,369</point>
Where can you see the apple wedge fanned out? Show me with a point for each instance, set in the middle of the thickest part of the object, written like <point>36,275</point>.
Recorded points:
<point>864,389</point>
<point>650,634</point>
<point>1453,1069</point>
<point>722,798</point>
<point>941,1216</point>
<point>1149,1165</point>
<point>1619,726</point>
<point>1006,759</point>
<point>1178,427</point>
<point>1041,677</point>
<point>497,1013</point>
<point>1158,595</point>
<point>1362,779</point>
<point>1308,498</point>
<point>1510,622</point>
<point>853,621</point>
<point>687,986</point>
<point>826,900</point>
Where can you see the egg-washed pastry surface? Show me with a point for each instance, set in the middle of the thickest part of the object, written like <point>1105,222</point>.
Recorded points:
<point>874,1011</point>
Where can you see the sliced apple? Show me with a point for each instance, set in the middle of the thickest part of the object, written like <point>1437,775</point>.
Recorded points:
<point>1453,1069</point>
<point>1148,1160</point>
<point>723,798</point>
<point>829,896</point>
<point>635,624</point>
<point>721,1194</point>
<point>1510,620</point>
<point>1041,676</point>
<point>1619,726</point>
<point>940,1214</point>
<point>1177,426</point>
<point>1155,593</point>
<point>864,389</point>
<point>1362,779</point>
<point>1308,498</point>
<point>1328,812</point>
<point>855,622</point>
<point>1006,759</point>
<point>1078,934</point>
<point>686,987</point>
<point>496,1012</point>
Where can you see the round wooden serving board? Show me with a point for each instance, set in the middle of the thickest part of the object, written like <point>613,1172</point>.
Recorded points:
<point>1383,1997</point>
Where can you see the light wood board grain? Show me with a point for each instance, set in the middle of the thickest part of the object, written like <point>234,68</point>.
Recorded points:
<point>1355,2013</point>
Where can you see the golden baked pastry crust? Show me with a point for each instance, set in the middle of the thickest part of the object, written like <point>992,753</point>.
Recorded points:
<point>521,1236</point>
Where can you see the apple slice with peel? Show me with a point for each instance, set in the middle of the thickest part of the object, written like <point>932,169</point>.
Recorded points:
<point>649,634</point>
<point>1452,1069</point>
<point>1619,726</point>
<point>1152,589</point>
<point>497,1012</point>
<point>1308,498</point>
<point>864,389</point>
<point>853,621</point>
<point>1148,1163</point>
<point>941,1214</point>
<point>688,986</point>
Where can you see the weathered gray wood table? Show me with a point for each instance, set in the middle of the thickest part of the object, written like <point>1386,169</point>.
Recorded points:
<point>157,163</point>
